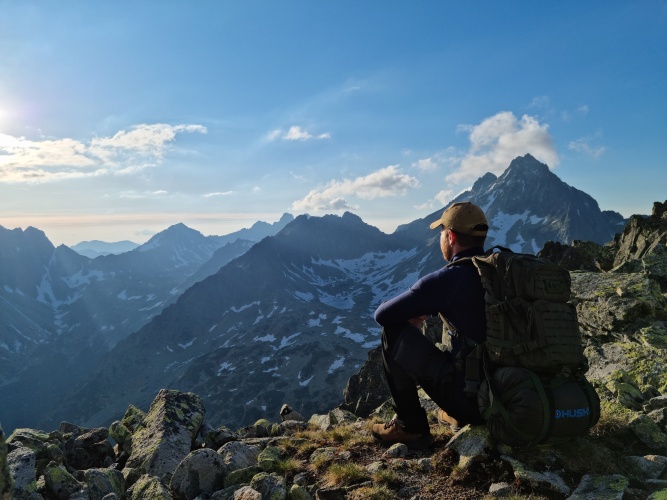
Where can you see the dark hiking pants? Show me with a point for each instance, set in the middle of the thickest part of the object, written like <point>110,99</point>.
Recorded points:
<point>412,360</point>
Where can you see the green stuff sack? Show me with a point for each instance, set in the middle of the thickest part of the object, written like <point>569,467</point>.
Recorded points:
<point>524,409</point>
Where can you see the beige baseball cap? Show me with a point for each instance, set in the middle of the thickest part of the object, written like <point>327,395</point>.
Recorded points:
<point>465,218</point>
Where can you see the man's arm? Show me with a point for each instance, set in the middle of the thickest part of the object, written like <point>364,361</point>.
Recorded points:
<point>419,301</point>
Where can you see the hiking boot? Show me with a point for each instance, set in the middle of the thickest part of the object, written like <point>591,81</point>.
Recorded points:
<point>445,419</point>
<point>393,432</point>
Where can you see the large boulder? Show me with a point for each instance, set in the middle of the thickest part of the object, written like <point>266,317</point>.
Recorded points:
<point>619,303</point>
<point>642,235</point>
<point>642,245</point>
<point>167,433</point>
<point>367,389</point>
<point>200,473</point>
<point>86,448</point>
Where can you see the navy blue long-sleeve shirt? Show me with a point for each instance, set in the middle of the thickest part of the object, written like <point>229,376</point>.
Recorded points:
<point>455,292</point>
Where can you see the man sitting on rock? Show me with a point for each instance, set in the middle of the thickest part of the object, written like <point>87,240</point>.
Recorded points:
<point>411,359</point>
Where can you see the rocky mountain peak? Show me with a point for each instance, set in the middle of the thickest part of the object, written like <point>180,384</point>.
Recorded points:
<point>526,165</point>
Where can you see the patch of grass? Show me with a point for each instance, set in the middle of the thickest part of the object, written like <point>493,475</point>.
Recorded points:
<point>288,466</point>
<point>386,477</point>
<point>344,474</point>
<point>379,492</point>
<point>613,418</point>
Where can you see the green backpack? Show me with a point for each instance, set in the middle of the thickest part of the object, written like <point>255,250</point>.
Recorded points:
<point>528,376</point>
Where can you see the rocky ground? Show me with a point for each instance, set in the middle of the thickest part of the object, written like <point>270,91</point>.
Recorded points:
<point>171,451</point>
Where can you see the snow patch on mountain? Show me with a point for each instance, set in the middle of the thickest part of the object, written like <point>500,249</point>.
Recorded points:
<point>243,308</point>
<point>338,301</point>
<point>303,296</point>
<point>123,296</point>
<point>225,366</point>
<point>338,363</point>
<point>79,278</point>
<point>501,223</point>
<point>185,346</point>
<point>316,321</point>
<point>287,341</point>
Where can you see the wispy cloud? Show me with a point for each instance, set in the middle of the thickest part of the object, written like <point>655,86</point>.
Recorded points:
<point>295,133</point>
<point>218,193</point>
<point>425,165</point>
<point>134,195</point>
<point>584,146</point>
<point>497,140</point>
<point>445,196</point>
<point>127,152</point>
<point>389,181</point>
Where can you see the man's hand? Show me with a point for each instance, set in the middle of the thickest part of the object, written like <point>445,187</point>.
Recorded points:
<point>418,321</point>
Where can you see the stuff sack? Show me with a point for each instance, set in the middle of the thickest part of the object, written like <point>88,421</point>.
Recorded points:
<point>522,408</point>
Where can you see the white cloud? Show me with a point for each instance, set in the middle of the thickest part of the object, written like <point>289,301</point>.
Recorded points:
<point>389,181</point>
<point>223,193</point>
<point>584,146</point>
<point>134,195</point>
<point>295,133</point>
<point>444,196</point>
<point>425,165</point>
<point>127,152</point>
<point>497,140</point>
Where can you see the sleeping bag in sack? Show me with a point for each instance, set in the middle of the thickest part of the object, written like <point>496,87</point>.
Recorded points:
<point>522,408</point>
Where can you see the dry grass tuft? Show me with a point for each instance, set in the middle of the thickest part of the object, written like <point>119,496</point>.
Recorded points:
<point>344,474</point>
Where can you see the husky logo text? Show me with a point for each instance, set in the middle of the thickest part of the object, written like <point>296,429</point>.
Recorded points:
<point>573,413</point>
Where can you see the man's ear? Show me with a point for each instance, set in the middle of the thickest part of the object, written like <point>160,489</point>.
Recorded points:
<point>452,237</point>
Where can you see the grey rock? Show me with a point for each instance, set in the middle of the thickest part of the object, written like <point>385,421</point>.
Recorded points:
<point>547,480</point>
<point>367,389</point>
<point>238,455</point>
<point>648,432</point>
<point>87,448</point>
<point>21,462</point>
<point>332,419</point>
<point>102,482</point>
<point>247,493</point>
<point>289,427</point>
<point>149,488</point>
<point>215,438</point>
<point>297,492</point>
<point>327,454</point>
<point>241,476</point>
<point>398,450</point>
<point>269,458</point>
<point>648,467</point>
<point>60,483</point>
<point>122,435</point>
<point>598,487</point>
<point>660,418</point>
<point>471,443</point>
<point>615,302</point>
<point>271,486</point>
<point>201,472</point>
<point>500,490</point>
<point>287,413</point>
<point>656,403</point>
<point>172,425</point>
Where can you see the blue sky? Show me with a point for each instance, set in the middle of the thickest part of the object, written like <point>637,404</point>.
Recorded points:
<point>119,119</point>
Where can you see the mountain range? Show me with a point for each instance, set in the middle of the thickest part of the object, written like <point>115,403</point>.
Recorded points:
<point>247,321</point>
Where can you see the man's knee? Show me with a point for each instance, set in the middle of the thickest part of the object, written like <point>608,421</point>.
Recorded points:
<point>392,334</point>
